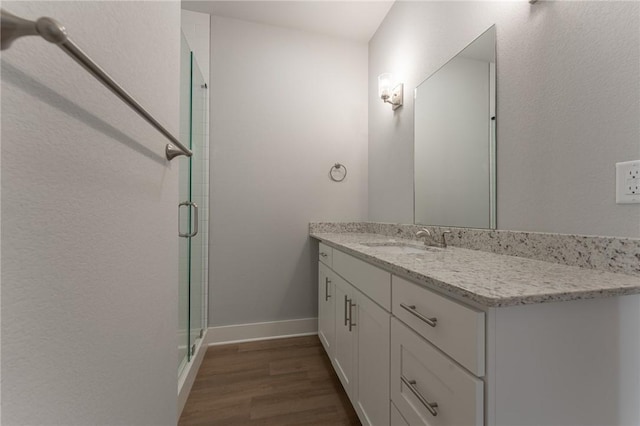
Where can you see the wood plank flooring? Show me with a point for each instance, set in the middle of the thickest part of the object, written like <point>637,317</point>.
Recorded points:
<point>270,382</point>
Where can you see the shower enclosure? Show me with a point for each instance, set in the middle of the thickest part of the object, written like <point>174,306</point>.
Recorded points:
<point>192,209</point>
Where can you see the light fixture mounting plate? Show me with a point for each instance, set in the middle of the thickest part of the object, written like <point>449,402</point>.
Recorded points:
<point>397,96</point>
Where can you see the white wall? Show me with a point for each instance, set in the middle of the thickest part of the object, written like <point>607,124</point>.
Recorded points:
<point>285,106</point>
<point>568,85</point>
<point>89,219</point>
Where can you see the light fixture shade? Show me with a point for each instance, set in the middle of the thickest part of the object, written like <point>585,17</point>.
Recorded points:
<point>385,85</point>
<point>390,91</point>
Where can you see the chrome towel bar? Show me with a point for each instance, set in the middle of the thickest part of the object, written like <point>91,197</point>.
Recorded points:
<point>13,27</point>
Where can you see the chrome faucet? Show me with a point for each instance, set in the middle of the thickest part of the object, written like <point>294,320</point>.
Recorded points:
<point>424,232</point>
<point>444,239</point>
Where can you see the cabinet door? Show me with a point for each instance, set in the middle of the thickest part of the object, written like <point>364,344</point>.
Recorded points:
<point>326,308</point>
<point>372,326</point>
<point>396,417</point>
<point>345,337</point>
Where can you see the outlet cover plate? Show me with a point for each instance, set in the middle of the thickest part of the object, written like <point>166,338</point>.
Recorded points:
<point>628,182</point>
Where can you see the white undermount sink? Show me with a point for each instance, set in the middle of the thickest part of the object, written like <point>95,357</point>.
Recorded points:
<point>400,248</point>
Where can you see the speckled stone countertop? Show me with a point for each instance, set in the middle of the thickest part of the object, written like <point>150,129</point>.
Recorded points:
<point>483,278</point>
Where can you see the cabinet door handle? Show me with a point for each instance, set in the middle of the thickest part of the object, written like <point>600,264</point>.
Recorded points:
<point>327,281</point>
<point>323,254</point>
<point>412,310</point>
<point>346,319</point>
<point>351,323</point>
<point>430,406</point>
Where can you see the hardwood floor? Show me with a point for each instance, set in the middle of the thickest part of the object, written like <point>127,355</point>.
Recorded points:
<point>270,382</point>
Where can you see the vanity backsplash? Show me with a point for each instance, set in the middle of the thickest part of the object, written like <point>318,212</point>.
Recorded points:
<point>611,254</point>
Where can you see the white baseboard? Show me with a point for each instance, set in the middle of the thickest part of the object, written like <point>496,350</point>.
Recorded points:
<point>261,331</point>
<point>186,379</point>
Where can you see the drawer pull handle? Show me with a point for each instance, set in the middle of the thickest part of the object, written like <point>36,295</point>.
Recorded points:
<point>346,319</point>
<point>351,323</point>
<point>327,281</point>
<point>430,406</point>
<point>323,254</point>
<point>412,310</point>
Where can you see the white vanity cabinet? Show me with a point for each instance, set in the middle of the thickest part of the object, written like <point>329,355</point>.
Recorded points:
<point>354,330</point>
<point>371,356</point>
<point>410,354</point>
<point>392,369</point>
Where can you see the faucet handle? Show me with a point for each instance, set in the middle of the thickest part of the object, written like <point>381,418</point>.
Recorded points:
<point>423,232</point>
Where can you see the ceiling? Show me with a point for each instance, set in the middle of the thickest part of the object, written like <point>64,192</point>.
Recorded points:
<point>353,20</point>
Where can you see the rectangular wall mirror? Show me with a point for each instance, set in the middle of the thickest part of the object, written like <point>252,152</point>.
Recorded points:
<point>455,140</point>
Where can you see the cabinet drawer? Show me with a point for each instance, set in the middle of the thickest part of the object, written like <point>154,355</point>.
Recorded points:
<point>372,281</point>
<point>458,330</point>
<point>421,376</point>
<point>325,254</point>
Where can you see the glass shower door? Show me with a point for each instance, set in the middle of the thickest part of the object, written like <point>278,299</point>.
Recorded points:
<point>192,207</point>
<point>183,248</point>
<point>199,195</point>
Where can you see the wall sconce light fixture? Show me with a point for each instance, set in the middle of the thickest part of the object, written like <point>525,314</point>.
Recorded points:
<point>390,91</point>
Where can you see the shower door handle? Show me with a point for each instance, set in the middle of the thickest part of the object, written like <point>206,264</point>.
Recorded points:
<point>195,219</point>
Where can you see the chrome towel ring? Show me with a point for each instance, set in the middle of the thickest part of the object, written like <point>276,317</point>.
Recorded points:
<point>338,172</point>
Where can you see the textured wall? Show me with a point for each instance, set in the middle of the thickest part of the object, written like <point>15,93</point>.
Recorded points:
<point>568,105</point>
<point>286,105</point>
<point>89,219</point>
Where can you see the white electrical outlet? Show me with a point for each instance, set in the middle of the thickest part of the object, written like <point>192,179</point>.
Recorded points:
<point>628,182</point>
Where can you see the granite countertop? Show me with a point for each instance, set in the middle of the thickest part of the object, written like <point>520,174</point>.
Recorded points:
<point>487,279</point>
